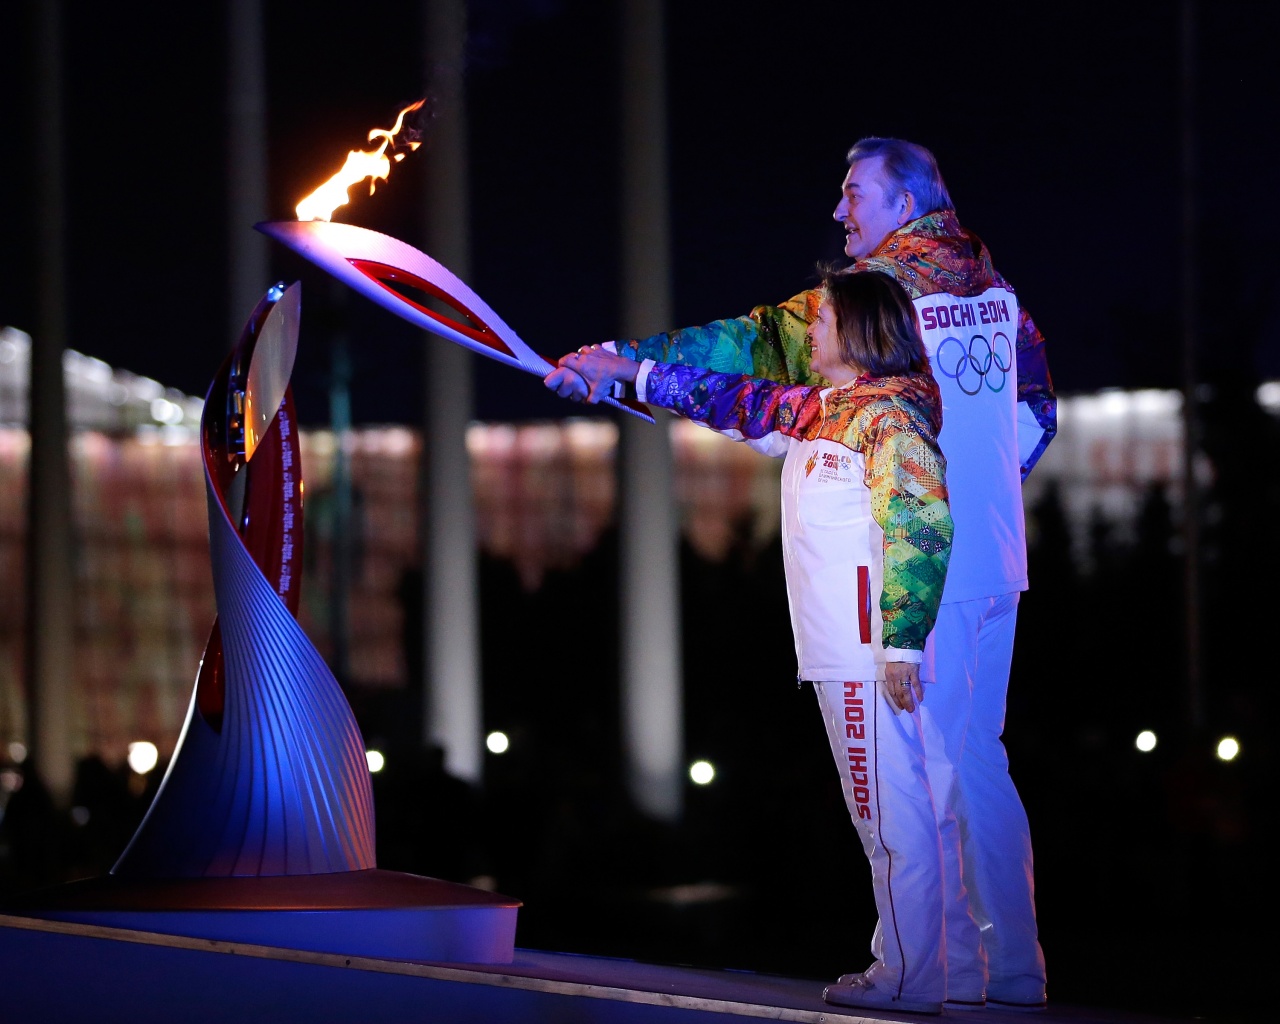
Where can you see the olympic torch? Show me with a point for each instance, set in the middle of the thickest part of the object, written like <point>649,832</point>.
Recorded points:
<point>399,278</point>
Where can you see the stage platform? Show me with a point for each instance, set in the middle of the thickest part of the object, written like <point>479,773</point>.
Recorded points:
<point>53,972</point>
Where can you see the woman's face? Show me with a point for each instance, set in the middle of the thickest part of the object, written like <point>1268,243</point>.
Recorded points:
<point>825,347</point>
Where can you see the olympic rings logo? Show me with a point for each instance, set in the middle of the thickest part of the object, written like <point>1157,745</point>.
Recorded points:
<point>982,361</point>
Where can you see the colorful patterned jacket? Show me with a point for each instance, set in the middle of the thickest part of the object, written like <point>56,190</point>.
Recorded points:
<point>929,255</point>
<point>864,503</point>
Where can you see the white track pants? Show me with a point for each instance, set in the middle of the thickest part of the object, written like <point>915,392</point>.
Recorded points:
<point>880,755</point>
<point>989,898</point>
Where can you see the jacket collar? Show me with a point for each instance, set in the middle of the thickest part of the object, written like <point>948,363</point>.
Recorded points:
<point>934,253</point>
<point>918,392</point>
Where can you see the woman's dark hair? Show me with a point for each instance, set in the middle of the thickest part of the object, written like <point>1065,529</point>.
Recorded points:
<point>875,322</point>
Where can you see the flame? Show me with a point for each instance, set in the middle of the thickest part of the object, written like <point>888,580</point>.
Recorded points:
<point>374,165</point>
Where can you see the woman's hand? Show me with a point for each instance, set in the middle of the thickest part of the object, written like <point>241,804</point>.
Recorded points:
<point>567,384</point>
<point>902,684</point>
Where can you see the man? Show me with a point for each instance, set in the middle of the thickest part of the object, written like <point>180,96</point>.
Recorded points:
<point>998,416</point>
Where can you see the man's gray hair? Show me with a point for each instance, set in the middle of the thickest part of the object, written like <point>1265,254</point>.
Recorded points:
<point>908,167</point>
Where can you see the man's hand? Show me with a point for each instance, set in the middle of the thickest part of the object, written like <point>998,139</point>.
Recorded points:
<point>902,684</point>
<point>588,375</point>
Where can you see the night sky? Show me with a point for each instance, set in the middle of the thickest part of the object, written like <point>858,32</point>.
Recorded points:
<point>1058,133</point>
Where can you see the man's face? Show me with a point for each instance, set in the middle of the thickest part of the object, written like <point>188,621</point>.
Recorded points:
<point>862,210</point>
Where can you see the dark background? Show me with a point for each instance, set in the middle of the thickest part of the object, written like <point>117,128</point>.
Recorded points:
<point>1059,134</point>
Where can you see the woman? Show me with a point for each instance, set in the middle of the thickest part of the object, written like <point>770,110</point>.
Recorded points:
<point>866,539</point>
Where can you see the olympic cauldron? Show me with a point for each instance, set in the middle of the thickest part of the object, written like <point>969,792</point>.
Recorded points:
<point>262,830</point>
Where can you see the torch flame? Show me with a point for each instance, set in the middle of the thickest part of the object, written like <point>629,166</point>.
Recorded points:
<point>374,165</point>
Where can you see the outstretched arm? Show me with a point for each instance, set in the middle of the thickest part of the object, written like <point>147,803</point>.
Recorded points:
<point>744,408</point>
<point>769,343</point>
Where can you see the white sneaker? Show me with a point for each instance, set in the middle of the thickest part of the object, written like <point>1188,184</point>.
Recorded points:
<point>1025,994</point>
<point>858,991</point>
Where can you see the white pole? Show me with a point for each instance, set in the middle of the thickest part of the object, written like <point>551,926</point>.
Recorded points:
<point>454,705</point>
<point>652,702</point>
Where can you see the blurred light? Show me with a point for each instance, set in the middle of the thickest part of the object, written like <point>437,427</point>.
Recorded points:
<point>321,443</point>
<point>376,761</point>
<point>144,388</point>
<point>497,742</point>
<point>17,752</point>
<point>1115,403</point>
<point>1228,748</point>
<point>96,370</point>
<point>143,756</point>
<point>693,894</point>
<point>385,441</point>
<point>80,367</point>
<point>1146,741</point>
<point>1150,402</point>
<point>702,772</point>
<point>1268,396</point>
<point>165,411</point>
<point>10,781</point>
<point>80,815</point>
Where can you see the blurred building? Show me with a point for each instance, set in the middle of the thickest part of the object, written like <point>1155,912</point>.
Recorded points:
<point>544,497</point>
<point>544,493</point>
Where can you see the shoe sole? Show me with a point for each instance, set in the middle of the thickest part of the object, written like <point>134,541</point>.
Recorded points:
<point>861,999</point>
<point>964,1004</point>
<point>996,1004</point>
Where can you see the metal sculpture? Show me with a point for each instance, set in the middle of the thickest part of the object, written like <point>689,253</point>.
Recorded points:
<point>262,831</point>
<point>269,776</point>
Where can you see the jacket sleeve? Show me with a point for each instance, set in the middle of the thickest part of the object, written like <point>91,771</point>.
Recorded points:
<point>744,408</point>
<point>770,343</point>
<point>907,476</point>
<point>1037,403</point>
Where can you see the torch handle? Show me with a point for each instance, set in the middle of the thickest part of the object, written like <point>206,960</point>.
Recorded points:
<point>633,406</point>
